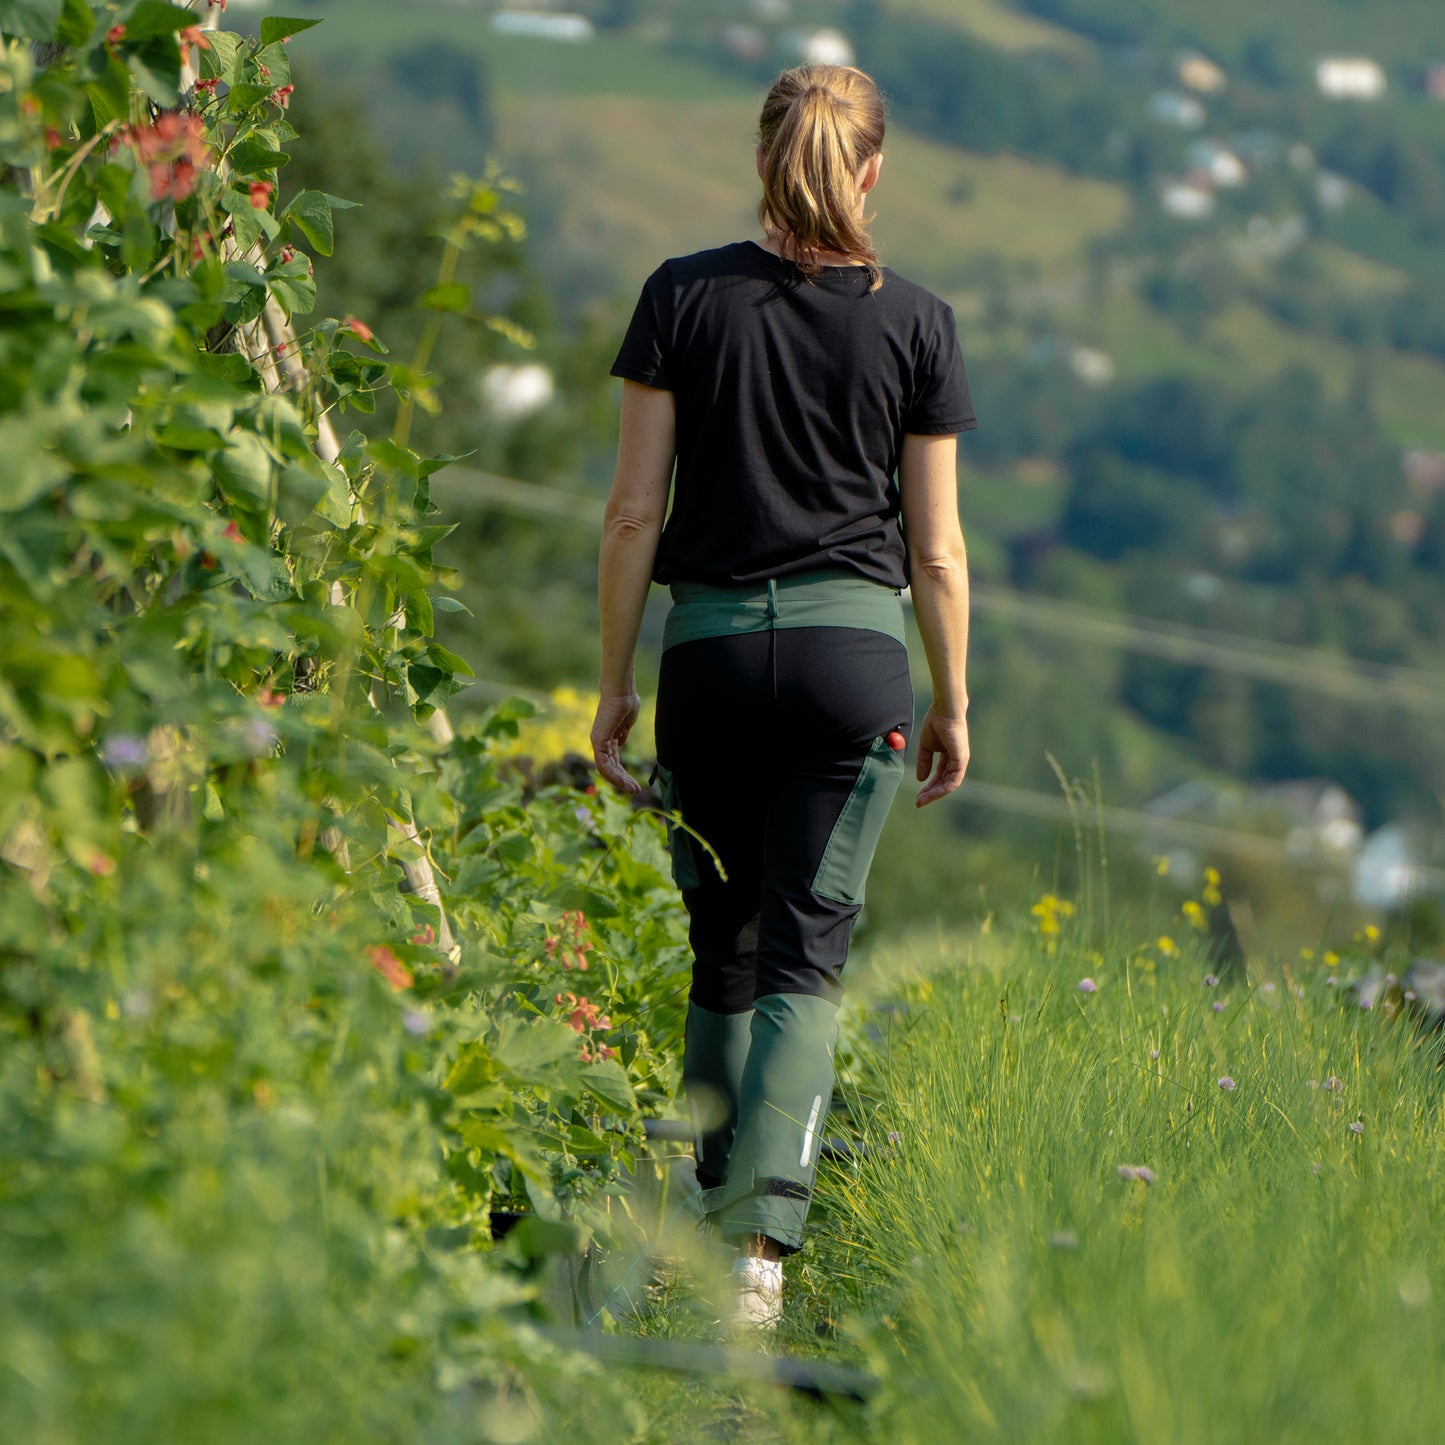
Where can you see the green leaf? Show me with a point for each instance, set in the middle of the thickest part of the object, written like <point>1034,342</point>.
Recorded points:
<point>451,297</point>
<point>537,1238</point>
<point>242,97</point>
<point>450,604</point>
<point>310,212</point>
<point>30,19</point>
<point>279,27</point>
<point>608,1081</point>
<point>190,436</point>
<point>292,286</point>
<point>219,62</point>
<point>31,468</point>
<point>109,94</point>
<point>155,17</point>
<point>419,613</point>
<point>252,156</point>
<point>298,491</point>
<point>76,23</point>
<point>449,661</point>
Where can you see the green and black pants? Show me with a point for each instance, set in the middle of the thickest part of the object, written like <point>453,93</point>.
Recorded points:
<point>774,710</point>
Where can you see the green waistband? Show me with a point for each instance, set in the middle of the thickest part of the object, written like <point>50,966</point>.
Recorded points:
<point>811,599</point>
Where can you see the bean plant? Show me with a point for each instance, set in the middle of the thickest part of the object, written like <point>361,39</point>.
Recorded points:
<point>260,1100</point>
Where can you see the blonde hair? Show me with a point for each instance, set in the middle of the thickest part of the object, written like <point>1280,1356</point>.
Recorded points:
<point>820,125</point>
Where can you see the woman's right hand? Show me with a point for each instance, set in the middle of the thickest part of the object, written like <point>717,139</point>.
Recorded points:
<point>942,740</point>
<point>615,717</point>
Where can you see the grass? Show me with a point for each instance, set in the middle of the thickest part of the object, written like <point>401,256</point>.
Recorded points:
<point>998,24</point>
<point>1274,1275</point>
<point>1279,1280</point>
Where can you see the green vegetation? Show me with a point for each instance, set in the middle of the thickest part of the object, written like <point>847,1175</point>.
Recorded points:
<point>306,998</point>
<point>1164,1209</point>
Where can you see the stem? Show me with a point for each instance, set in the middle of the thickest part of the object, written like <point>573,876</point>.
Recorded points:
<point>446,272</point>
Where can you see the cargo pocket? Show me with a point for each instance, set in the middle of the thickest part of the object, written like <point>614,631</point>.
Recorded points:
<point>846,860</point>
<point>679,843</point>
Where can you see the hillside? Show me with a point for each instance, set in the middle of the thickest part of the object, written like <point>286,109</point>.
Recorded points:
<point>1222,416</point>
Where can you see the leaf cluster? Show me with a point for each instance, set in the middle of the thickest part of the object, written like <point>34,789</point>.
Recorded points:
<point>274,1024</point>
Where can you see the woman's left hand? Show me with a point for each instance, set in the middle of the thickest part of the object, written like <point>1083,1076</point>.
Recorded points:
<point>614,720</point>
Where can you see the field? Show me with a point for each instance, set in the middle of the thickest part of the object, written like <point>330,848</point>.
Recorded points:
<point>1170,1209</point>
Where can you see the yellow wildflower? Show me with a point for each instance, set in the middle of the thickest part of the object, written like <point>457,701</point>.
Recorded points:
<point>1308,954</point>
<point>1161,865</point>
<point>1331,959</point>
<point>1194,915</point>
<point>1372,934</point>
<point>1167,946</point>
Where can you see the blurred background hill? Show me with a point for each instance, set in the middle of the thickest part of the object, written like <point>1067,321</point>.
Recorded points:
<point>1194,252</point>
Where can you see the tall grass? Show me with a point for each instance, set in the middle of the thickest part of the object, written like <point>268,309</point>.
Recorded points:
<point>1276,1274</point>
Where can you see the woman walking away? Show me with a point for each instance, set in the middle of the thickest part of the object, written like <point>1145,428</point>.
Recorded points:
<point>788,381</point>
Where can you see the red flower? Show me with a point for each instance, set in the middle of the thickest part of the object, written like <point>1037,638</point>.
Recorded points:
<point>261,194</point>
<point>205,85</point>
<point>280,348</point>
<point>101,865</point>
<point>389,966</point>
<point>52,138</point>
<point>264,71</point>
<point>214,3</point>
<point>359,329</point>
<point>268,697</point>
<point>115,35</point>
<point>288,253</point>
<point>282,95</point>
<point>233,533</point>
<point>176,180</point>
<point>192,35</point>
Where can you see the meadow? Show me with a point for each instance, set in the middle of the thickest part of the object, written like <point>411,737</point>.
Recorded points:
<point>1107,1196</point>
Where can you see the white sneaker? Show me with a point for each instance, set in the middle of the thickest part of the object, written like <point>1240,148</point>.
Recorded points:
<point>757,1301</point>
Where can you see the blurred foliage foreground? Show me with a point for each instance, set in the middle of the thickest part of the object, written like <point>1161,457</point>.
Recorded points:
<point>255,1113</point>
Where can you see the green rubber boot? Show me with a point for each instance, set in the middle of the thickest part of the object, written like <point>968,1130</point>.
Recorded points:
<point>715,1049</point>
<point>787,1087</point>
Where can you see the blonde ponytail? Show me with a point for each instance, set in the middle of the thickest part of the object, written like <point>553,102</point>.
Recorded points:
<point>820,125</point>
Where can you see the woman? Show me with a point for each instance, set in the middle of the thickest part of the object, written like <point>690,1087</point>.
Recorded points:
<point>788,381</point>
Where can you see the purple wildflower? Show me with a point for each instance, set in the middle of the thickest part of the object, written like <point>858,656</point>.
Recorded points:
<point>1333,1084</point>
<point>1218,1007</point>
<point>416,1022</point>
<point>1227,1084</point>
<point>1153,1053</point>
<point>124,750</point>
<point>1331,981</point>
<point>1211,980</point>
<point>1357,1127</point>
<point>1087,985</point>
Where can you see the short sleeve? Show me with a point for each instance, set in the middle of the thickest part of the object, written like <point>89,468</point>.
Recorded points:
<point>646,354</point>
<point>941,403</point>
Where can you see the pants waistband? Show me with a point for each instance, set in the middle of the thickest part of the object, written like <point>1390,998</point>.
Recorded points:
<point>825,598</point>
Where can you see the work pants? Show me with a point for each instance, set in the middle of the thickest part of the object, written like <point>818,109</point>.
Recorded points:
<point>774,714</point>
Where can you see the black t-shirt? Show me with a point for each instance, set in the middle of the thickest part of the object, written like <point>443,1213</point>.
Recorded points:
<point>793,398</point>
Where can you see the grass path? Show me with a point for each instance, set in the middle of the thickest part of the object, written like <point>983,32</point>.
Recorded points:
<point>1166,1210</point>
<point>1276,1275</point>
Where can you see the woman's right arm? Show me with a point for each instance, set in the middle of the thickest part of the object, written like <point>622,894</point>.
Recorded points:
<point>938,566</point>
<point>631,528</point>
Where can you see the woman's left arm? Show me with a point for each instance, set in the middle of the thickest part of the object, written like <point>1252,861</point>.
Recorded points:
<point>631,527</point>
